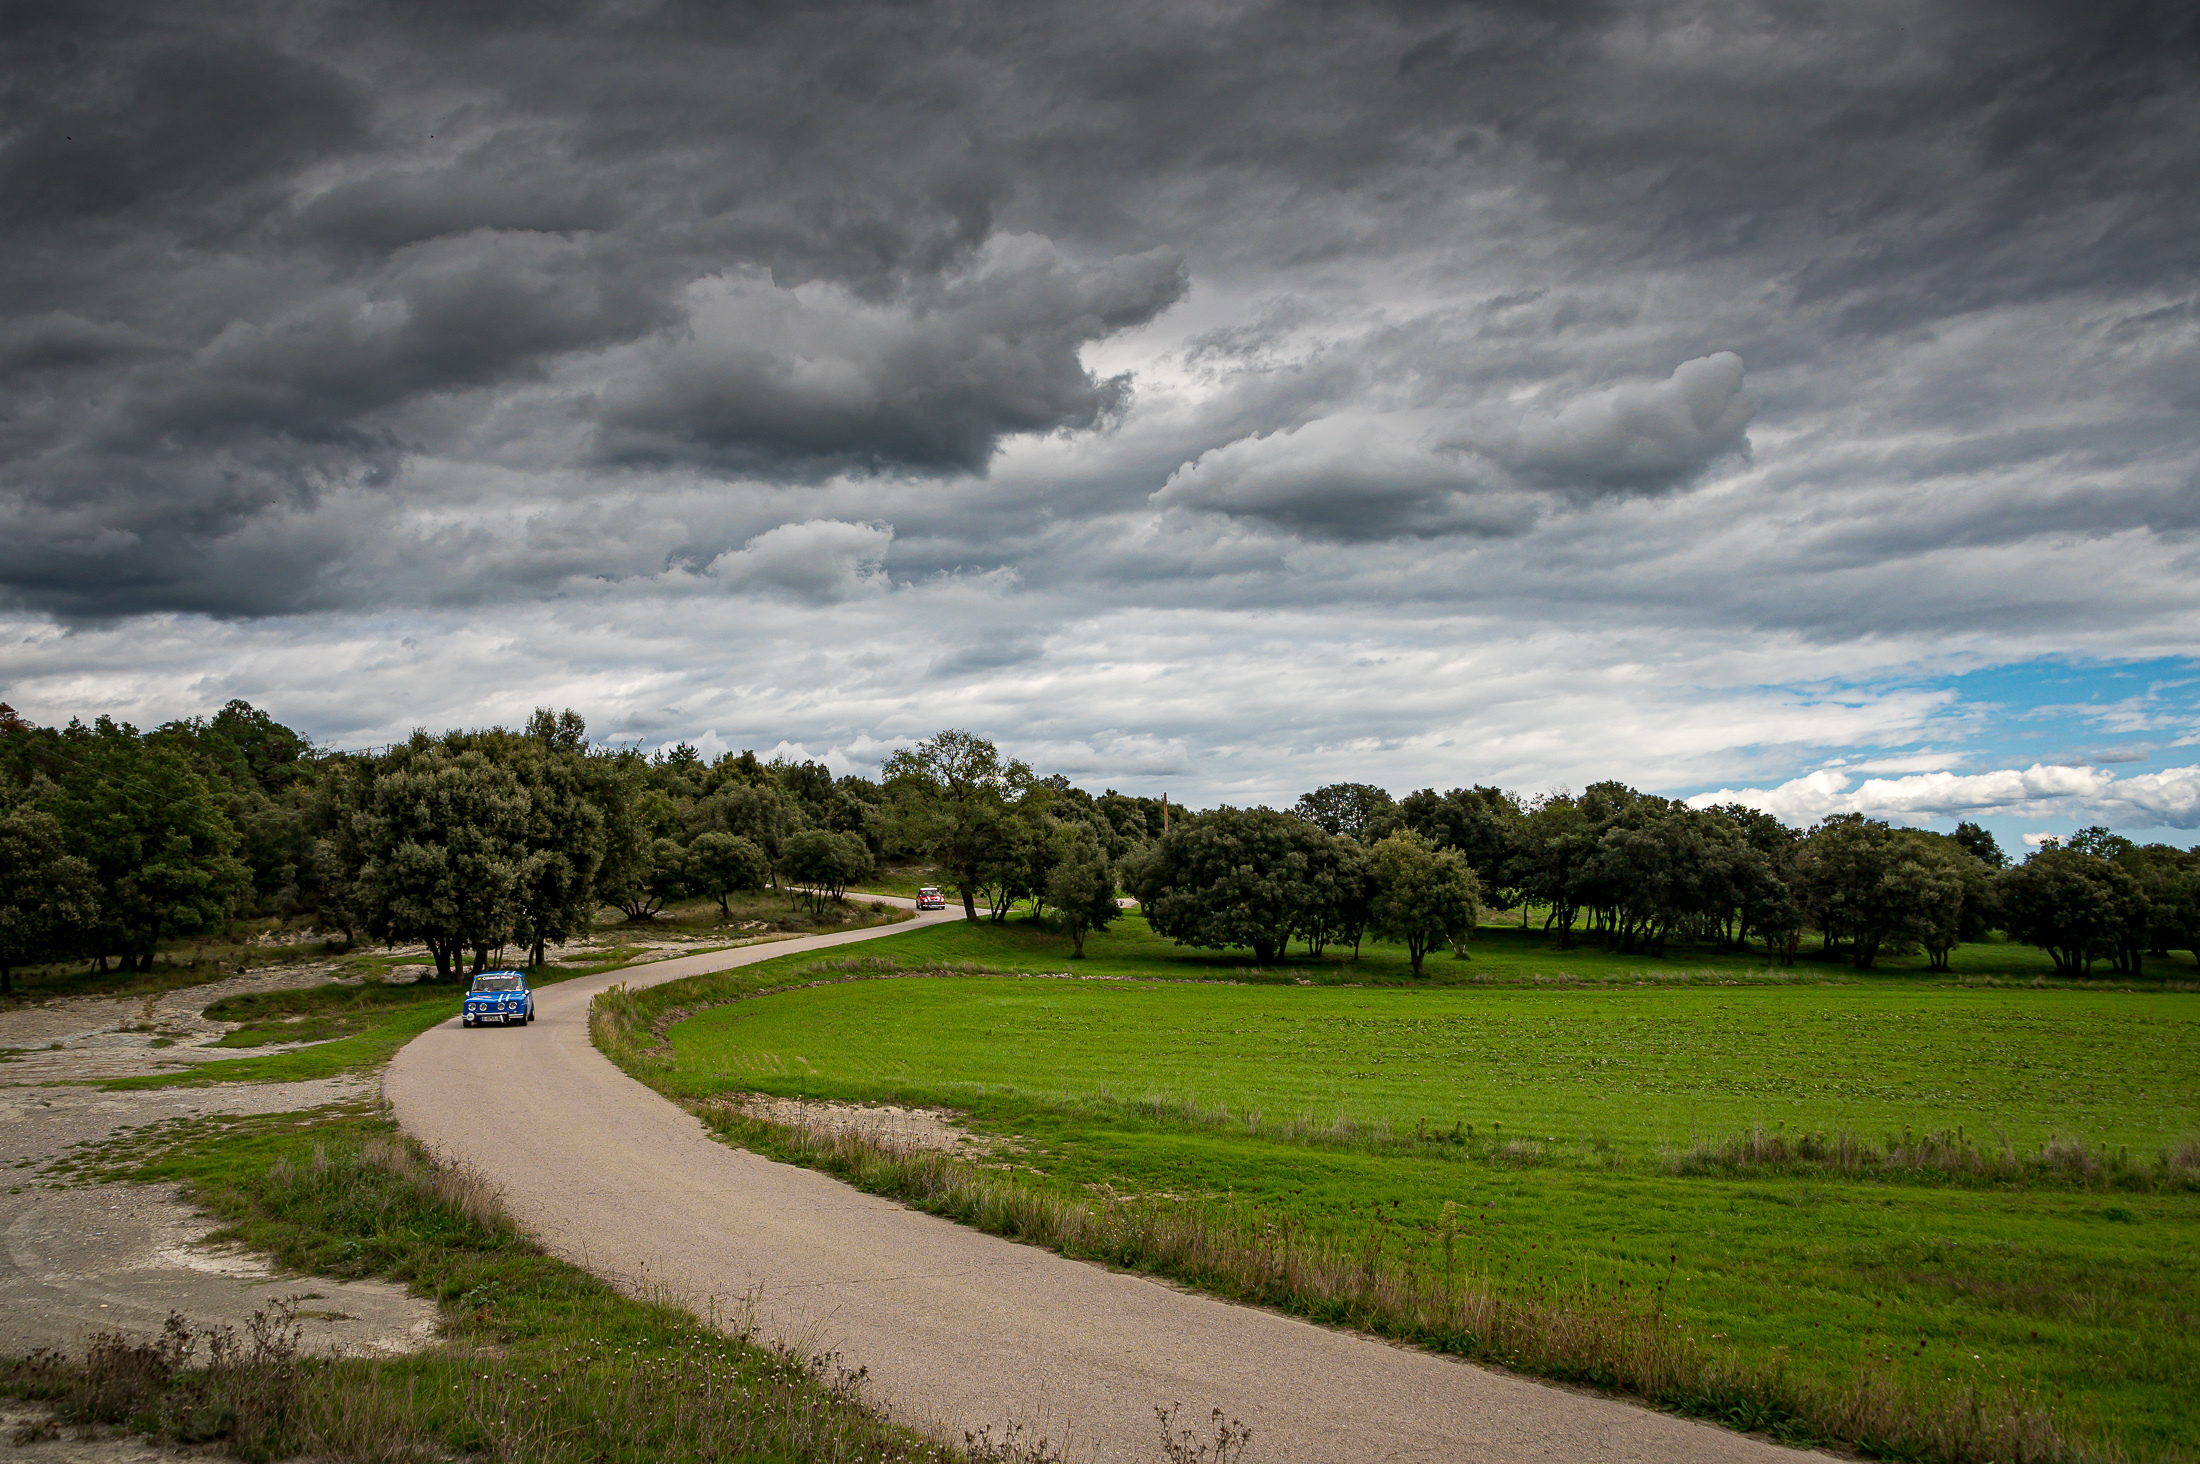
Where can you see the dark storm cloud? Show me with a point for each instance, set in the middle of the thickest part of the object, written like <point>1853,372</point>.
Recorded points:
<point>769,382</point>
<point>262,259</point>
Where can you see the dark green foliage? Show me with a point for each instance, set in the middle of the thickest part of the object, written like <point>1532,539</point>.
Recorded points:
<point>1081,889</point>
<point>1357,810</point>
<point>758,812</point>
<point>2074,905</point>
<point>1420,895</point>
<point>1333,903</point>
<point>48,896</point>
<point>1233,877</point>
<point>1484,824</point>
<point>952,798</point>
<point>1980,845</point>
<point>1132,822</point>
<point>441,848</point>
<point>824,864</point>
<point>152,831</point>
<point>718,864</point>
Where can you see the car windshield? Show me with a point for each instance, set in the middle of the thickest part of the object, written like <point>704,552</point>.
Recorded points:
<point>495,982</point>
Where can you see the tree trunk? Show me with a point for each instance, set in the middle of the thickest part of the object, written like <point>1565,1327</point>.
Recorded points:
<point>970,902</point>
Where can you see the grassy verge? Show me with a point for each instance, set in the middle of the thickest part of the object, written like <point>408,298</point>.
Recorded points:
<point>1610,1334</point>
<point>1599,1131</point>
<point>540,1362</point>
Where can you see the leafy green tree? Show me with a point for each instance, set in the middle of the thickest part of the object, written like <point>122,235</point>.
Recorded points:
<point>1132,822</point>
<point>2071,904</point>
<point>1081,888</point>
<point>1878,888</point>
<point>48,896</point>
<point>1485,825</point>
<point>1026,844</point>
<point>154,835</point>
<point>443,850</point>
<point>758,812</point>
<point>566,832</point>
<point>1981,845</point>
<point>260,774</point>
<point>1422,895</point>
<point>643,866</point>
<point>2169,882</point>
<point>823,864</point>
<point>719,864</point>
<point>1557,838</point>
<point>951,795</point>
<point>1758,869</point>
<point>1938,888</point>
<point>1357,810</point>
<point>679,774</point>
<point>1231,877</point>
<point>2165,882</point>
<point>1333,895</point>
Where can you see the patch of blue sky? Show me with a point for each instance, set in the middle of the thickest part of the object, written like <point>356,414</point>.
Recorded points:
<point>2125,717</point>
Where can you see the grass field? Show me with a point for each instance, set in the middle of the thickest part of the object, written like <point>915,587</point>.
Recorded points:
<point>1581,1075</point>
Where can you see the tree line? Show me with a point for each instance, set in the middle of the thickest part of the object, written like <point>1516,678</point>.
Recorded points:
<point>1632,871</point>
<point>474,842</point>
<point>471,843</point>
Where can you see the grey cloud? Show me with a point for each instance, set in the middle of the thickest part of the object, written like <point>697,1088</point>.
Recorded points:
<point>158,124</point>
<point>267,260</point>
<point>1639,436</point>
<point>809,382</point>
<point>1371,477</point>
<point>1344,478</point>
<point>59,341</point>
<point>819,562</point>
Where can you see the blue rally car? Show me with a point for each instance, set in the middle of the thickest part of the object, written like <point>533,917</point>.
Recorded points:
<point>501,997</point>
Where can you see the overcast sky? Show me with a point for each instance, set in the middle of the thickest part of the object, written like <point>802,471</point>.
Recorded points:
<point>1207,397</point>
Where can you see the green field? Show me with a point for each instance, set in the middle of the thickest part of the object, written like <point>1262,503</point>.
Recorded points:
<point>1546,1105</point>
<point>1588,1071</point>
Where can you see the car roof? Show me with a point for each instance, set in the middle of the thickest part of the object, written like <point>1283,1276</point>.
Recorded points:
<point>522,975</point>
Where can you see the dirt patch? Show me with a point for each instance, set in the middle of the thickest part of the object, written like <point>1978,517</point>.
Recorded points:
<point>27,1432</point>
<point>121,1257</point>
<point>76,1259</point>
<point>885,1124</point>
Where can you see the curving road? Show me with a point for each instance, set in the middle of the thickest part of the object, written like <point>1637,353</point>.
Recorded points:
<point>957,1328</point>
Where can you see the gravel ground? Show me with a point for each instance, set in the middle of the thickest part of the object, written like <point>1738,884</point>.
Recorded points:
<point>76,1259</point>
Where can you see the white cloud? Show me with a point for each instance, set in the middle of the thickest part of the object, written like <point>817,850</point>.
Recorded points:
<point>2168,798</point>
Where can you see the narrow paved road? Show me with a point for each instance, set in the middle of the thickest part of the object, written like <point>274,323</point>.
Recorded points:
<point>957,1328</point>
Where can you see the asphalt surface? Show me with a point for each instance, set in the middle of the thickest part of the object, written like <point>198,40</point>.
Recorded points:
<point>957,1329</point>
